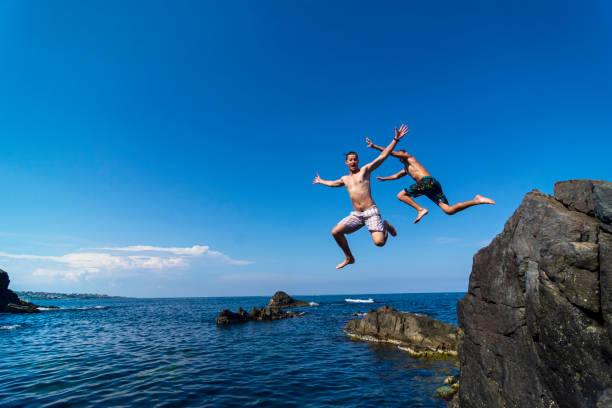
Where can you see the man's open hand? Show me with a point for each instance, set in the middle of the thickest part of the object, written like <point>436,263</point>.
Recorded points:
<point>369,142</point>
<point>403,130</point>
<point>317,180</point>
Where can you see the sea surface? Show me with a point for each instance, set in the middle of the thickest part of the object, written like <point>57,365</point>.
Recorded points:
<point>170,353</point>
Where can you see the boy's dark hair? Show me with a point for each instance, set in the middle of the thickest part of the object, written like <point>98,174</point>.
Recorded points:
<point>346,155</point>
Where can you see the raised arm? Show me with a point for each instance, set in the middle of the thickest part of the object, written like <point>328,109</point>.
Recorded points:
<point>395,176</point>
<point>387,151</point>
<point>328,183</point>
<point>393,152</point>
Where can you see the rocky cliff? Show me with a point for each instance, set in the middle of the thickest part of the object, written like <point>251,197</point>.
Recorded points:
<point>537,318</point>
<point>9,301</point>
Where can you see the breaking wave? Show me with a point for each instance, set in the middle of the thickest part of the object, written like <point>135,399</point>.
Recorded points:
<point>10,327</point>
<point>370,300</point>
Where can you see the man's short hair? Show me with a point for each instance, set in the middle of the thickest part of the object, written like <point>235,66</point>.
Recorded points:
<point>346,155</point>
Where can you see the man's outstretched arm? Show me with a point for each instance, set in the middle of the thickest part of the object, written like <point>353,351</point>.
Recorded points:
<point>393,152</point>
<point>395,176</point>
<point>387,151</point>
<point>328,183</point>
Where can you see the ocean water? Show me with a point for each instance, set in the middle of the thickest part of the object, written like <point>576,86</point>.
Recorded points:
<point>170,353</point>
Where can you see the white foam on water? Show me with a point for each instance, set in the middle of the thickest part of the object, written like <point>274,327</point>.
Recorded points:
<point>75,308</point>
<point>87,308</point>
<point>10,327</point>
<point>359,300</point>
<point>45,309</point>
<point>313,304</point>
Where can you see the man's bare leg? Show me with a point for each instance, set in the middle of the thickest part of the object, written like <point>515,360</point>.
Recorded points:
<point>405,198</point>
<point>380,237</point>
<point>338,232</point>
<point>453,209</point>
<point>390,228</point>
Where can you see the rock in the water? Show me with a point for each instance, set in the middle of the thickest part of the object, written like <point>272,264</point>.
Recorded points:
<point>9,301</point>
<point>537,317</point>
<point>283,300</point>
<point>271,313</point>
<point>421,336</point>
<point>226,316</point>
<point>447,391</point>
<point>257,314</point>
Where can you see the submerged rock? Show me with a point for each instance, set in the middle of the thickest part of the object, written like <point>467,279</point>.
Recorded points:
<point>421,336</point>
<point>10,302</point>
<point>537,317</point>
<point>283,300</point>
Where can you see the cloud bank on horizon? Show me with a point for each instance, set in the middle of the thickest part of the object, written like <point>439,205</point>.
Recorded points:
<point>119,261</point>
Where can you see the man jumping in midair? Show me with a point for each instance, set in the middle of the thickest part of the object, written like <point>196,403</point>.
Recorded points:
<point>366,212</point>
<point>425,185</point>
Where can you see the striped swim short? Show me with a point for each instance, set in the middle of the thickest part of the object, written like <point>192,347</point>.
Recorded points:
<point>357,219</point>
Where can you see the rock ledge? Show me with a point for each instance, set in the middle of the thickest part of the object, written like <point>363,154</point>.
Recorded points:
<point>420,336</point>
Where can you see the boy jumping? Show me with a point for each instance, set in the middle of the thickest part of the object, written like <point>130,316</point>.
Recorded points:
<point>425,185</point>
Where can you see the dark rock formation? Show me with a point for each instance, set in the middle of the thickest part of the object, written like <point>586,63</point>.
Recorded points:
<point>273,311</point>
<point>9,301</point>
<point>421,336</point>
<point>228,317</point>
<point>537,317</point>
<point>257,314</point>
<point>283,300</point>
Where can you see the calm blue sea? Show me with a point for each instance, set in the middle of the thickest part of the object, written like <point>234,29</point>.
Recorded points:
<point>169,352</point>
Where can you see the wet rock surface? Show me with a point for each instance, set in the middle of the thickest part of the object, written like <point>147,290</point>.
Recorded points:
<point>537,317</point>
<point>421,336</point>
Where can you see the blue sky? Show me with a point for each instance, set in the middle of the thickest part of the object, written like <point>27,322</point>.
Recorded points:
<point>168,148</point>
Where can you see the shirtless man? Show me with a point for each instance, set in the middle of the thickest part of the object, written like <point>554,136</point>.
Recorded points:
<point>425,185</point>
<point>366,212</point>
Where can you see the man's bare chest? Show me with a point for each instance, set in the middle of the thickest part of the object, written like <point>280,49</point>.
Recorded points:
<point>356,181</point>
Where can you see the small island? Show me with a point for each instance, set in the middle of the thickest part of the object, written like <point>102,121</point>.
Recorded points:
<point>63,296</point>
<point>273,311</point>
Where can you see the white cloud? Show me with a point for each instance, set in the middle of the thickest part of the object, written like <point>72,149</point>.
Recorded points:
<point>71,274</point>
<point>195,250</point>
<point>138,258</point>
<point>219,255</point>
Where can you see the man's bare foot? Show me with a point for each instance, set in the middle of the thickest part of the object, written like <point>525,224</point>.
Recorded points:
<point>390,228</point>
<point>483,200</point>
<point>345,262</point>
<point>421,214</point>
